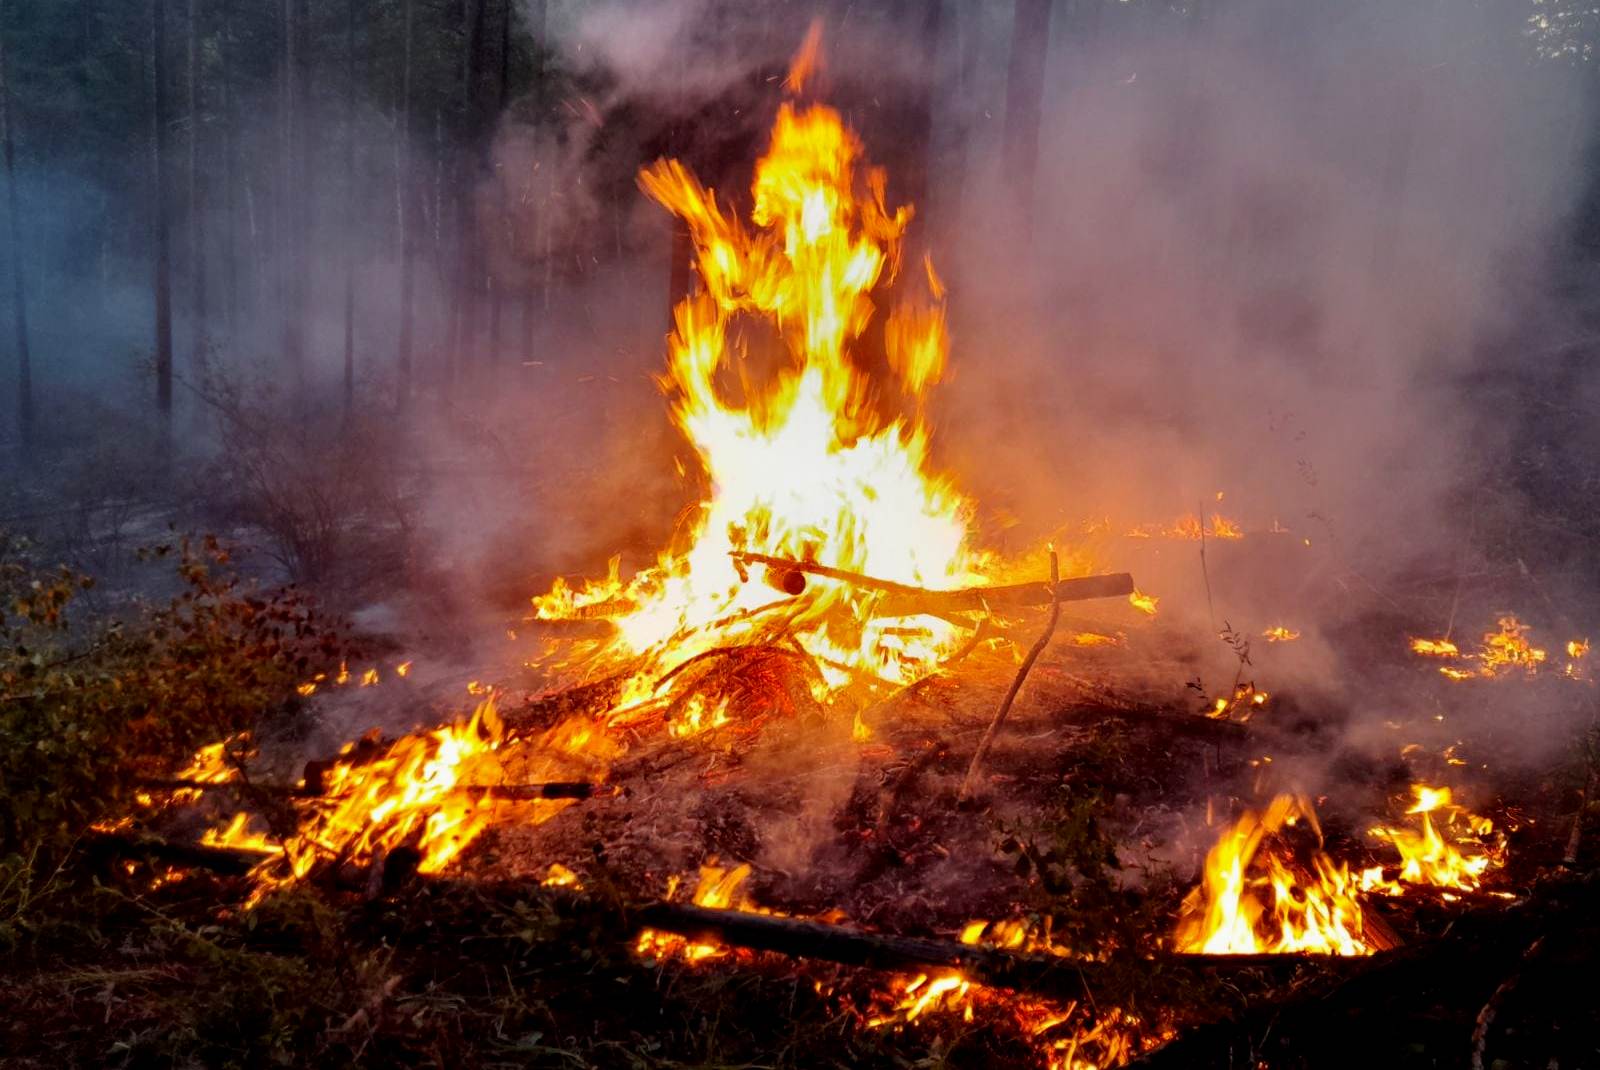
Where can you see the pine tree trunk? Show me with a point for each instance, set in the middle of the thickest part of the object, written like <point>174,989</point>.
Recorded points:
<point>19,292</point>
<point>1030,42</point>
<point>230,205</point>
<point>163,253</point>
<point>537,11</point>
<point>197,207</point>
<point>351,206</point>
<point>403,205</point>
<point>502,98</point>
<point>289,214</point>
<point>464,316</point>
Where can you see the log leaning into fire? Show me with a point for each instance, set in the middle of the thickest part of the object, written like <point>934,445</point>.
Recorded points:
<point>903,600</point>
<point>1045,975</point>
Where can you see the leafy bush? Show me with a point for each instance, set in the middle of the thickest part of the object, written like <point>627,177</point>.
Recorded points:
<point>89,707</point>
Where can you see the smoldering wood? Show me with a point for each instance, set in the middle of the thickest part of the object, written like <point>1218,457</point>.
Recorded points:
<point>1046,975</point>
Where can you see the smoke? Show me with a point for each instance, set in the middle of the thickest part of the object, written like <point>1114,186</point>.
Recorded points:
<point>1270,251</point>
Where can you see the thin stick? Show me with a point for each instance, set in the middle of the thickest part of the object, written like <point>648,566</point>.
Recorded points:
<point>1205,574</point>
<point>1016,685</point>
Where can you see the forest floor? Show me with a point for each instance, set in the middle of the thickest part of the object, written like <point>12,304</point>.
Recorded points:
<point>1094,814</point>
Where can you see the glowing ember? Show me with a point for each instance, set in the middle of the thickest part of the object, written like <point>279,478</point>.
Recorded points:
<point>1256,896</point>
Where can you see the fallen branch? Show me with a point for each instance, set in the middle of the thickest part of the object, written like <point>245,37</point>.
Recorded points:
<point>1016,685</point>
<point>1048,975</point>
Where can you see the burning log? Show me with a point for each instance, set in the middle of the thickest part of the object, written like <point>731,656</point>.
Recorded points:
<point>904,600</point>
<point>1047,975</point>
<point>555,789</point>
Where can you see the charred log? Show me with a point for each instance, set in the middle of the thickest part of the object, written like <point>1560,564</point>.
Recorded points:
<point>1047,975</point>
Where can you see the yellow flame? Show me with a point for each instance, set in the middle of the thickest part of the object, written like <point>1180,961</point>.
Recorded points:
<point>1454,853</point>
<point>803,271</point>
<point>1144,603</point>
<point>1255,897</point>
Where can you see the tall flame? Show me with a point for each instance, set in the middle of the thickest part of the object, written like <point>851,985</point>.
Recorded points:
<point>817,462</point>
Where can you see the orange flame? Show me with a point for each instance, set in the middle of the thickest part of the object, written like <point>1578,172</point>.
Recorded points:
<point>1455,853</point>
<point>718,888</point>
<point>1255,897</point>
<point>822,239</point>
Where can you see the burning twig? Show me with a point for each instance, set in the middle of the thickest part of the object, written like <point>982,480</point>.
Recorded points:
<point>1016,684</point>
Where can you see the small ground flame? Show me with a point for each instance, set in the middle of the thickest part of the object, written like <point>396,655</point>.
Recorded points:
<point>1258,896</point>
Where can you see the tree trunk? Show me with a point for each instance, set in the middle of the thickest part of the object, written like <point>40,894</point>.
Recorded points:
<point>163,252</point>
<point>502,98</point>
<point>923,21</point>
<point>19,293</point>
<point>351,206</point>
<point>289,214</point>
<point>537,11</point>
<point>969,20</point>
<point>463,322</point>
<point>229,193</point>
<point>403,206</point>
<point>197,207</point>
<point>1030,42</point>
